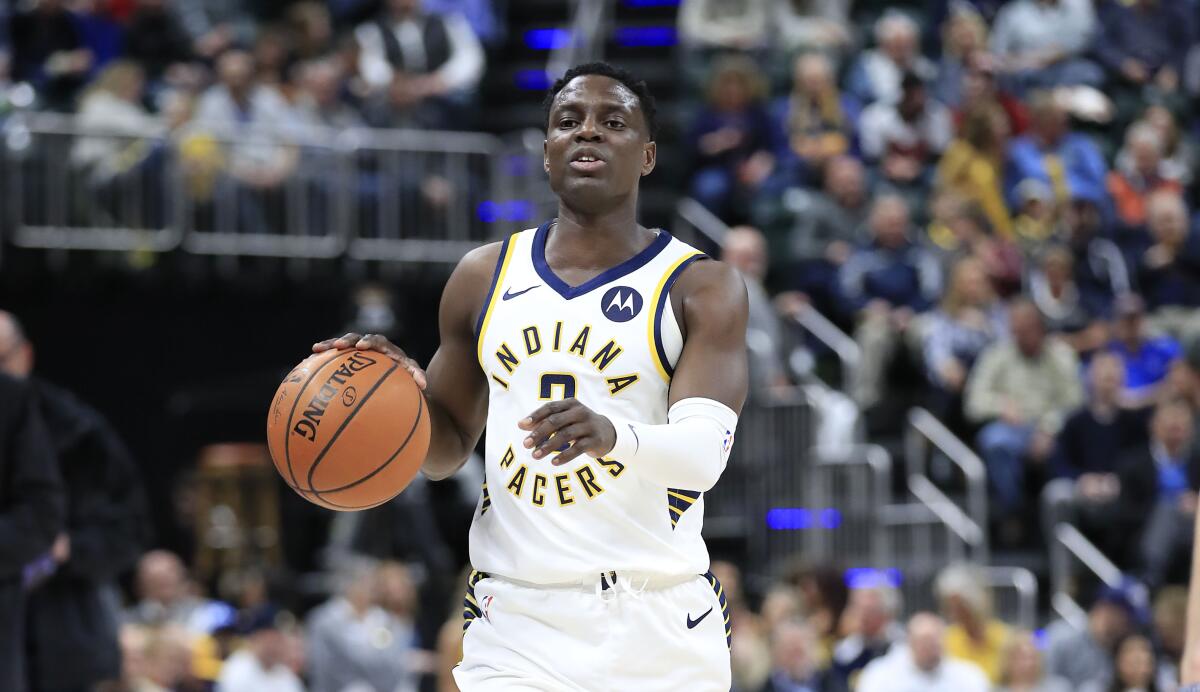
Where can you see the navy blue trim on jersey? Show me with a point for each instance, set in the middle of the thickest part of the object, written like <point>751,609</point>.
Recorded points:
<point>719,590</point>
<point>678,502</point>
<point>608,275</point>
<point>658,312</point>
<point>487,301</point>
<point>471,609</point>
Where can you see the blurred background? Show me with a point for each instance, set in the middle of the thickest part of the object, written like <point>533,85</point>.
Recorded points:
<point>967,230</point>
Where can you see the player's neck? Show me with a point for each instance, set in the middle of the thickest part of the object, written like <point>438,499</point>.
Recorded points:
<point>601,239</point>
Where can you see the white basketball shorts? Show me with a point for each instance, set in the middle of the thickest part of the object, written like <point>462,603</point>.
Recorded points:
<point>615,635</point>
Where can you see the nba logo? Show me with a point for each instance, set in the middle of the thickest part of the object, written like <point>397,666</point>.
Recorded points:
<point>485,605</point>
<point>621,303</point>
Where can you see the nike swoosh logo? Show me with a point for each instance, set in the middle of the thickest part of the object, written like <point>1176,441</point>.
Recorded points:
<point>692,623</point>
<point>509,295</point>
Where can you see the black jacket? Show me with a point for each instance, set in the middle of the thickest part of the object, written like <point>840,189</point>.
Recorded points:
<point>72,617</point>
<point>1139,484</point>
<point>31,514</point>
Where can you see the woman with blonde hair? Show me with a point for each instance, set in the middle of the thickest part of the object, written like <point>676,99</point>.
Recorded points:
<point>1022,668</point>
<point>973,634</point>
<point>817,120</point>
<point>973,165</point>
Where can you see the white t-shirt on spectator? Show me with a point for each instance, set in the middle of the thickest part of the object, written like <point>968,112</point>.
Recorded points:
<point>242,672</point>
<point>896,672</point>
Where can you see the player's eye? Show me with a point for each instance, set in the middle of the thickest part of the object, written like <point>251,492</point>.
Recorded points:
<point>616,124</point>
<point>567,122</point>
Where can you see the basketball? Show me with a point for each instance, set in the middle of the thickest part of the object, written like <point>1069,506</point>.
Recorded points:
<point>348,430</point>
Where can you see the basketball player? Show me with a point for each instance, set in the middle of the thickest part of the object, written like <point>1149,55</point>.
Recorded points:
<point>608,363</point>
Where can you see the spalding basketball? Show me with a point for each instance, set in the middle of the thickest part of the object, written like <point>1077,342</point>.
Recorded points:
<point>348,430</point>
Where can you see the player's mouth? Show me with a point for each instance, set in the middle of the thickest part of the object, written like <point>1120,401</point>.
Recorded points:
<point>587,161</point>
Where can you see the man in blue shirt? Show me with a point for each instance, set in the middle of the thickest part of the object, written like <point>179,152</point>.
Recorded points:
<point>1147,359</point>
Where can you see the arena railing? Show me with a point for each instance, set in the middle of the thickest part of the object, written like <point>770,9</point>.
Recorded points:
<point>924,435</point>
<point>70,189</point>
<point>1014,594</point>
<point>1070,550</point>
<point>589,26</point>
<point>847,350</point>
<point>293,192</point>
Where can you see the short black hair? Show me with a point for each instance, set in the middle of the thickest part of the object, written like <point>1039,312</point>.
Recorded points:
<point>637,86</point>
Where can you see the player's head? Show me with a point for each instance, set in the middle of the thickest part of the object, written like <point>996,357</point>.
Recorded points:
<point>16,353</point>
<point>600,128</point>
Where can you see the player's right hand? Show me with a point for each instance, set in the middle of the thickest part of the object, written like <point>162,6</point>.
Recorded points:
<point>375,342</point>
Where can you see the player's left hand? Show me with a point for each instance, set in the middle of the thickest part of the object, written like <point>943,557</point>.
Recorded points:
<point>568,422</point>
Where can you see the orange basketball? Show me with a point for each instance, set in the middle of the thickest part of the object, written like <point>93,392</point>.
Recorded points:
<point>348,430</point>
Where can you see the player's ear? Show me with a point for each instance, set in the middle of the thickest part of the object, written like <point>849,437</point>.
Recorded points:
<point>649,157</point>
<point>546,155</point>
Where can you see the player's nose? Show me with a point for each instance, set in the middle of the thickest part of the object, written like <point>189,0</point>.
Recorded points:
<point>589,129</point>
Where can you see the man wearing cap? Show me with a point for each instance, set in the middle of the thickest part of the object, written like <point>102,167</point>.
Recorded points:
<point>260,664</point>
<point>1080,657</point>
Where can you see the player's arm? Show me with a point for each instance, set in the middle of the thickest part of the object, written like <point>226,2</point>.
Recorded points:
<point>707,392</point>
<point>454,385</point>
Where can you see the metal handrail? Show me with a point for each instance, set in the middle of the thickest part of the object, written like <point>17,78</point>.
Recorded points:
<point>971,533</point>
<point>700,218</point>
<point>1069,543</point>
<point>846,349</point>
<point>1087,553</point>
<point>1024,583</point>
<point>588,25</point>
<point>879,461</point>
<point>923,429</point>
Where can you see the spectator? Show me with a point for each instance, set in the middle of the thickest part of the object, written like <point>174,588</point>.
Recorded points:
<point>745,249</point>
<point>904,139</point>
<point>872,631</point>
<point>126,164</point>
<point>730,139</point>
<point>964,37</point>
<point>1158,491</point>
<point>794,660</point>
<point>1035,220</point>
<point>979,89</point>
<point>1054,290</point>
<point>974,635</point>
<point>1022,670</point>
<point>1069,163</point>
<point>72,619</point>
<point>272,58</point>
<point>156,659</point>
<point>427,65</point>
<point>1144,43</point>
<point>1169,272</point>
<point>1147,359</point>
<point>31,516</point>
<point>1179,159</point>
<point>1020,391</point>
<point>958,229</point>
<point>259,162</point>
<point>1040,43</point>
<point>818,26</point>
<point>1101,273</point>
<point>973,165</point>
<point>879,72</point>
<point>1140,173</point>
<point>311,29</point>
<point>884,285</point>
<point>814,231</point>
<point>48,51</point>
<point>921,666</point>
<point>1169,621</point>
<point>1135,668</point>
<point>1084,656</point>
<point>968,320</point>
<point>817,121</point>
<point>156,40</point>
<point>166,597</point>
<point>320,102</point>
<point>1087,451</point>
<point>710,26</point>
<point>261,664</point>
<point>354,642</point>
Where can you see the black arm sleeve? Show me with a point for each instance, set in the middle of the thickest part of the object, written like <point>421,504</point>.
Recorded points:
<point>31,495</point>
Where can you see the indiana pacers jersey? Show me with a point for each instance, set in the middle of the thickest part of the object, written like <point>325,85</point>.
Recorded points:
<point>611,342</point>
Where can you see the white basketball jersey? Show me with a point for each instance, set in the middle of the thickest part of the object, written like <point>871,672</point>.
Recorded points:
<point>611,342</point>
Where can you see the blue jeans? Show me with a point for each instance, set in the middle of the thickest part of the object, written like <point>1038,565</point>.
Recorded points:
<point>1003,447</point>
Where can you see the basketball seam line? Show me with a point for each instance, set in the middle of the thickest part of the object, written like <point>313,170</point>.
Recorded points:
<point>287,439</point>
<point>385,464</point>
<point>312,469</point>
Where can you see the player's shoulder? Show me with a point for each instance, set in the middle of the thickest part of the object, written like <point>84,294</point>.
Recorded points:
<point>482,260</point>
<point>712,279</point>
